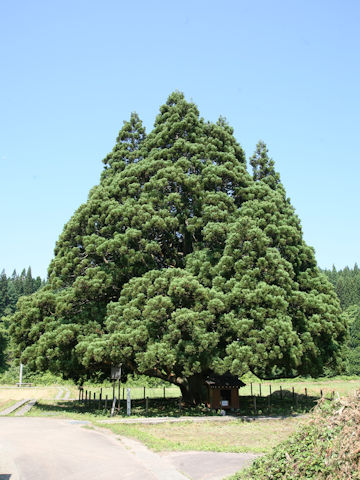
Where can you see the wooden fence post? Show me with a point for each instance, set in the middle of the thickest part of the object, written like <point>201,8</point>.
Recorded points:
<point>146,405</point>
<point>260,389</point>
<point>164,392</point>
<point>281,393</point>
<point>254,400</point>
<point>144,393</point>
<point>106,402</point>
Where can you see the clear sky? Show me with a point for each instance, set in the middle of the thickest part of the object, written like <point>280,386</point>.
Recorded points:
<point>284,71</point>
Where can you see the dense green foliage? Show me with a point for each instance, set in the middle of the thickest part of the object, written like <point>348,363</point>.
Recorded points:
<point>325,448</point>
<point>347,286</point>
<point>182,263</point>
<point>11,289</point>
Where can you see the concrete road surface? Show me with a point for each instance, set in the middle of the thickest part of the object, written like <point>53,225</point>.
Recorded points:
<point>49,449</point>
<point>53,449</point>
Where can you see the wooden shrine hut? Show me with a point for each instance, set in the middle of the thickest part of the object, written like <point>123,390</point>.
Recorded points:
<point>223,391</point>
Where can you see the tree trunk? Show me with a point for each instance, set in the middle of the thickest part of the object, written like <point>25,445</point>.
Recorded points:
<point>193,390</point>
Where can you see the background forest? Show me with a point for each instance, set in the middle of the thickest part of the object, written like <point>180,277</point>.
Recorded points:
<point>347,286</point>
<point>11,289</point>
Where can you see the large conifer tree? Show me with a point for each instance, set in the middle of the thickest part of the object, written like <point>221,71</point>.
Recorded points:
<point>180,264</point>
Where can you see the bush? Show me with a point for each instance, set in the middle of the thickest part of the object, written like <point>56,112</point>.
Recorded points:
<point>326,448</point>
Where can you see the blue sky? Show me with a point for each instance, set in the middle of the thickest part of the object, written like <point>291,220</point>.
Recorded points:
<point>286,72</point>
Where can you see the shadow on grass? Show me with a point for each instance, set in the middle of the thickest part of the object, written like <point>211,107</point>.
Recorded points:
<point>283,403</point>
<point>160,407</point>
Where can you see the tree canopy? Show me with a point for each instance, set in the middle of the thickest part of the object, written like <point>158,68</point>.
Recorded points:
<point>182,263</point>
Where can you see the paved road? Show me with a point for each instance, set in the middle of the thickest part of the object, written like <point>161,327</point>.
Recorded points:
<point>52,449</point>
<point>49,449</point>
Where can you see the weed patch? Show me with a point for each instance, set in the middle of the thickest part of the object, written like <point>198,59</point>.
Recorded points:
<point>327,447</point>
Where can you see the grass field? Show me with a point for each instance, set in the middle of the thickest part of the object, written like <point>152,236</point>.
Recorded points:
<point>8,392</point>
<point>259,436</point>
<point>314,386</point>
<point>237,436</point>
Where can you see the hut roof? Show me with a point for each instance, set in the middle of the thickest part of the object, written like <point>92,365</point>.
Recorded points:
<point>224,381</point>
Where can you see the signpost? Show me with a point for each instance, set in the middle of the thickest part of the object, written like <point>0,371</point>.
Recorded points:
<point>116,375</point>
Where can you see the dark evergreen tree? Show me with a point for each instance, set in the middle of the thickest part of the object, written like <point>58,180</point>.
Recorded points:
<point>4,295</point>
<point>181,264</point>
<point>10,290</point>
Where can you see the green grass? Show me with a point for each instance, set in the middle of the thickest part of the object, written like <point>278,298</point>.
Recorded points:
<point>5,404</point>
<point>234,436</point>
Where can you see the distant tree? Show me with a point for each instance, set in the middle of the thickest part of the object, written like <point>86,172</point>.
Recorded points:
<point>347,285</point>
<point>4,295</point>
<point>181,264</point>
<point>11,288</point>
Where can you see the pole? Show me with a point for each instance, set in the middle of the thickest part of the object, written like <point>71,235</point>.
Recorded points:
<point>128,403</point>
<point>119,394</point>
<point>119,384</point>
<point>21,374</point>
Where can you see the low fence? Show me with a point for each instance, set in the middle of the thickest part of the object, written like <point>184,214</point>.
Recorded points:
<point>255,398</point>
<point>123,396</point>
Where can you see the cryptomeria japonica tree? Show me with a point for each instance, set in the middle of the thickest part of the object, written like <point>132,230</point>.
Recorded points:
<point>180,264</point>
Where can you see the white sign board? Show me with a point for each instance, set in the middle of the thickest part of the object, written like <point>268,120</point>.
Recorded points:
<point>225,403</point>
<point>116,372</point>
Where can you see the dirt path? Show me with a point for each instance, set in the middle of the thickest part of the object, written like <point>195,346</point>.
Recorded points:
<point>50,449</point>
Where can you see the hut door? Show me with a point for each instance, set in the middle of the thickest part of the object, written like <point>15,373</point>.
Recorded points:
<point>225,398</point>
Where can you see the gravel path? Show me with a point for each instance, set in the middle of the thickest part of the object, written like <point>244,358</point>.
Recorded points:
<point>63,394</point>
